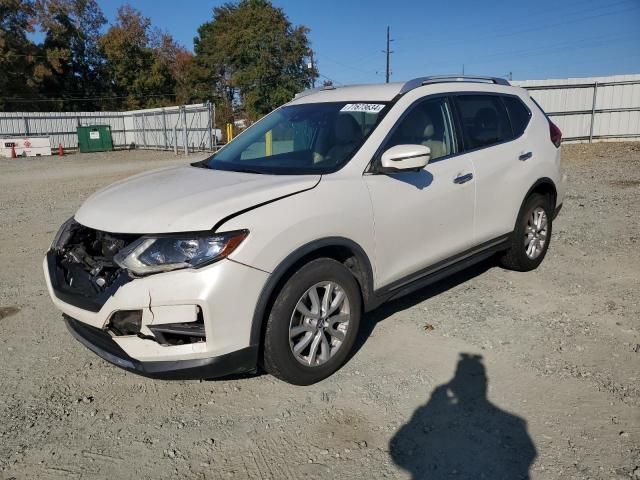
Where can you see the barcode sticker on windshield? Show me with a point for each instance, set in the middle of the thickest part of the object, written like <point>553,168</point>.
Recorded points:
<point>362,107</point>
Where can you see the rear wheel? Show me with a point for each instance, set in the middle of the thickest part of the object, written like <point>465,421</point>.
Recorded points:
<point>531,236</point>
<point>313,323</point>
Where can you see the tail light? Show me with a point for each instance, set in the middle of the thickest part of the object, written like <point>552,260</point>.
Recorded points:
<point>555,134</point>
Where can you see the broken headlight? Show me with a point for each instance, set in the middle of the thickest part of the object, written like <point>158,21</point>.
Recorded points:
<point>63,234</point>
<point>171,252</point>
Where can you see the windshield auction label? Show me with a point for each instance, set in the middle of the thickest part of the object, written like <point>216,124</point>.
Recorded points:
<point>362,107</point>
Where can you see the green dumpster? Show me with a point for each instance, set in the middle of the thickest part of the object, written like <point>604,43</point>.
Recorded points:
<point>95,138</point>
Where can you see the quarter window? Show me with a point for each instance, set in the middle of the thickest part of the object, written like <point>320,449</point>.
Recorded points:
<point>518,114</point>
<point>427,123</point>
<point>484,120</point>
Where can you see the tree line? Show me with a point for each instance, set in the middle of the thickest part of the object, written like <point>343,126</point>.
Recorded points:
<point>249,58</point>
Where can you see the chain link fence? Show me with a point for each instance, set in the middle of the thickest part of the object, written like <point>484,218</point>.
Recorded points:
<point>183,128</point>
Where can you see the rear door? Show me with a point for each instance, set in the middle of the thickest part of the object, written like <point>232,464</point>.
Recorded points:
<point>495,139</point>
<point>426,216</point>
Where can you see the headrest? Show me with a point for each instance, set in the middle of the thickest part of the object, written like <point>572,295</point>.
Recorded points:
<point>417,126</point>
<point>429,130</point>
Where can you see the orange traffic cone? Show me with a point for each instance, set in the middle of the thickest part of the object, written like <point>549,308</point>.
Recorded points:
<point>13,151</point>
<point>60,150</point>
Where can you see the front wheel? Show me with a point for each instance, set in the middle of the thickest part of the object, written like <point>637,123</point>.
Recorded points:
<point>313,323</point>
<point>531,236</point>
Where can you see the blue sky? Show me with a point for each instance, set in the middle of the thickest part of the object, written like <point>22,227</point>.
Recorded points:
<point>532,39</point>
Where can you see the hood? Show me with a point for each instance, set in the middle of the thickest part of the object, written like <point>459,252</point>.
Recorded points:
<point>183,199</point>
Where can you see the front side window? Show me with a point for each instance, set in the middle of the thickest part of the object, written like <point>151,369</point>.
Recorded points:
<point>428,123</point>
<point>298,139</point>
<point>484,120</point>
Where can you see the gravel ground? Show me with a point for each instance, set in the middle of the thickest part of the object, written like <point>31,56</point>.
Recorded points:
<point>522,373</point>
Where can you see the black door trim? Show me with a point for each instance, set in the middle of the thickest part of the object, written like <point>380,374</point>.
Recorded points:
<point>443,268</point>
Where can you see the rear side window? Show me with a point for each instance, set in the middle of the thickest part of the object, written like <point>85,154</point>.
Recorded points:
<point>519,114</point>
<point>484,120</point>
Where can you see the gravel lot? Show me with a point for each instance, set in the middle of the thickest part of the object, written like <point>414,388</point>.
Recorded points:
<point>516,373</point>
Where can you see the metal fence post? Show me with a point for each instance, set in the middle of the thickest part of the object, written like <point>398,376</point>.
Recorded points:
<point>26,125</point>
<point>124,130</point>
<point>215,133</point>
<point>184,130</point>
<point>175,140</point>
<point>144,133</point>
<point>593,111</point>
<point>210,125</point>
<point>164,129</point>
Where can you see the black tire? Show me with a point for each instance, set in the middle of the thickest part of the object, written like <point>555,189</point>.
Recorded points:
<point>278,358</point>
<point>516,257</point>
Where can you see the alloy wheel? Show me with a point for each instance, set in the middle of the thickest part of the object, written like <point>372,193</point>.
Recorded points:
<point>319,323</point>
<point>535,233</point>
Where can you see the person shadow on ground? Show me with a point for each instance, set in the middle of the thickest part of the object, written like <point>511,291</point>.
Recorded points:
<point>459,434</point>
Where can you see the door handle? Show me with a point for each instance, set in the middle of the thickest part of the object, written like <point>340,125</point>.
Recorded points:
<point>463,178</point>
<point>525,156</point>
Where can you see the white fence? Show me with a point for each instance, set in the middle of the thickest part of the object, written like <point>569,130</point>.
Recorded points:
<point>187,127</point>
<point>588,109</point>
<point>585,109</point>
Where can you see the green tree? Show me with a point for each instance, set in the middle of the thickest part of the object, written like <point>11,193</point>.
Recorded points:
<point>139,70</point>
<point>75,66</point>
<point>18,55</point>
<point>177,60</point>
<point>250,55</point>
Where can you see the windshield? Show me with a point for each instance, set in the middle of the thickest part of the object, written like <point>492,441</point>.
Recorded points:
<point>297,139</point>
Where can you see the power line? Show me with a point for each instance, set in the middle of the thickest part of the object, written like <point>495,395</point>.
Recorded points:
<point>552,25</point>
<point>82,99</point>
<point>556,47</point>
<point>584,15</point>
<point>351,66</point>
<point>542,27</point>
<point>578,17</point>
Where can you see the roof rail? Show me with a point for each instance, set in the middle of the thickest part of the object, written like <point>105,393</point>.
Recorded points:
<point>418,82</point>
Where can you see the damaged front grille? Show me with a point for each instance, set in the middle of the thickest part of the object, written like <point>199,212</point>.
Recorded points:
<point>82,265</point>
<point>84,273</point>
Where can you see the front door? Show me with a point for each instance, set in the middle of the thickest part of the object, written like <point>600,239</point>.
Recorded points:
<point>426,216</point>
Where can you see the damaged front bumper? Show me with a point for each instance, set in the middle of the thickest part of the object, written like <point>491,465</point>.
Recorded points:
<point>101,343</point>
<point>190,323</point>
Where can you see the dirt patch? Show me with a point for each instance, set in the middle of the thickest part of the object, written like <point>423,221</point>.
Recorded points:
<point>8,311</point>
<point>558,370</point>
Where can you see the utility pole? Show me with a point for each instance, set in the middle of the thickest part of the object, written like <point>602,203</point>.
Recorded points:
<point>312,67</point>
<point>388,52</point>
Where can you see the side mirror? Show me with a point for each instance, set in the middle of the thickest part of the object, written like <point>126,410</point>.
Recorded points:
<point>405,157</point>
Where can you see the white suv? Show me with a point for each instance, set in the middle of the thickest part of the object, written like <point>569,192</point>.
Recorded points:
<point>268,253</point>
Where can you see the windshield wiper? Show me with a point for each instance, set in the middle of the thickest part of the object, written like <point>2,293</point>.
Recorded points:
<point>245,170</point>
<point>205,164</point>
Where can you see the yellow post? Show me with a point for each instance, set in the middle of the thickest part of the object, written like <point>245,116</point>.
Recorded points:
<point>229,132</point>
<point>268,143</point>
